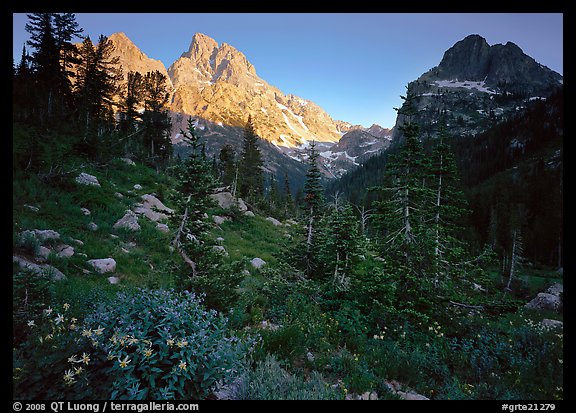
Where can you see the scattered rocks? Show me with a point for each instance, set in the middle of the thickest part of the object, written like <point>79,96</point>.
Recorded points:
<point>43,270</point>
<point>92,226</point>
<point>274,221</point>
<point>257,262</point>
<point>64,251</point>
<point>87,179</point>
<point>85,211</point>
<point>555,289</point>
<point>129,221</point>
<point>137,186</point>
<point>103,265</point>
<point>396,387</point>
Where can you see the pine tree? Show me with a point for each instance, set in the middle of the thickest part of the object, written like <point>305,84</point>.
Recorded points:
<point>313,203</point>
<point>132,98</point>
<point>251,175</point>
<point>195,184</point>
<point>288,200</point>
<point>156,119</point>
<point>227,165</point>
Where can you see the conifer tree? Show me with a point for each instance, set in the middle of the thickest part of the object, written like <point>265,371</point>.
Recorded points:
<point>156,119</point>
<point>251,175</point>
<point>227,165</point>
<point>195,184</point>
<point>313,202</point>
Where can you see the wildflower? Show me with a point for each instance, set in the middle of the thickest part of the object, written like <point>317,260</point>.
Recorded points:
<point>561,361</point>
<point>66,306</point>
<point>182,365</point>
<point>72,327</point>
<point>69,376</point>
<point>85,358</point>
<point>99,330</point>
<point>31,323</point>
<point>78,370</point>
<point>59,319</point>
<point>73,359</point>
<point>110,356</point>
<point>132,340</point>
<point>48,311</point>
<point>49,337</point>
<point>124,363</point>
<point>73,320</point>
<point>182,343</point>
<point>148,352</point>
<point>87,333</point>
<point>170,342</point>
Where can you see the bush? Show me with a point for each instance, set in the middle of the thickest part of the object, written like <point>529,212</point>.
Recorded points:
<point>269,381</point>
<point>148,344</point>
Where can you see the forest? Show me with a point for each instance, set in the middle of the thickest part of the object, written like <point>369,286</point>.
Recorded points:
<point>409,278</point>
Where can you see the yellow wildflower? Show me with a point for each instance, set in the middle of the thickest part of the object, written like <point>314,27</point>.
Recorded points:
<point>99,331</point>
<point>78,370</point>
<point>69,376</point>
<point>86,333</point>
<point>124,363</point>
<point>182,343</point>
<point>182,365</point>
<point>170,342</point>
<point>85,358</point>
<point>66,306</point>
<point>48,311</point>
<point>147,352</point>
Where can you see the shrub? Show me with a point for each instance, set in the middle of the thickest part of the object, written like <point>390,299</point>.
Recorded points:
<point>148,344</point>
<point>269,381</point>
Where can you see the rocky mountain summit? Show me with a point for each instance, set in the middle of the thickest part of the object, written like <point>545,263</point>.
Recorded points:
<point>217,85</point>
<point>476,85</point>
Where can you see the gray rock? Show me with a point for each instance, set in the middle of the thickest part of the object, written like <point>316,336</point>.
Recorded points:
<point>85,211</point>
<point>64,251</point>
<point>103,265</point>
<point>555,289</point>
<point>274,221</point>
<point>44,270</point>
<point>42,253</point>
<point>127,161</point>
<point>42,235</point>
<point>118,195</point>
<point>310,357</point>
<point>137,186</point>
<point>129,221</point>
<point>257,262</point>
<point>162,228</point>
<point>87,179</point>
<point>153,208</point>
<point>225,200</point>
<point>249,214</point>
<point>220,220</point>
<point>32,208</point>
<point>113,280</point>
<point>544,301</point>
<point>219,240</point>
<point>551,324</point>
<point>220,249</point>
<point>411,395</point>
<point>92,226</point>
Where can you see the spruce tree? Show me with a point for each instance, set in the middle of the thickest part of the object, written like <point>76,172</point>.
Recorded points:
<point>156,119</point>
<point>313,203</point>
<point>195,184</point>
<point>251,175</point>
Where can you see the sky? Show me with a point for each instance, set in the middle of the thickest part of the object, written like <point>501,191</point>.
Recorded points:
<point>353,65</point>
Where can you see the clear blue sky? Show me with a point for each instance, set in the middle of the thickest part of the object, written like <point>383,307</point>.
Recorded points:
<point>354,65</point>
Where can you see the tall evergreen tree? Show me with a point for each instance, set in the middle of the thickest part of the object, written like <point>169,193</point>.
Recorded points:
<point>313,203</point>
<point>195,184</point>
<point>251,175</point>
<point>227,165</point>
<point>156,119</point>
<point>132,98</point>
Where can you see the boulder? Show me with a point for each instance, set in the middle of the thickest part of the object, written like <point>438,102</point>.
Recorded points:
<point>127,161</point>
<point>220,220</point>
<point>555,289</point>
<point>249,214</point>
<point>137,186</point>
<point>220,249</point>
<point>32,208</point>
<point>103,265</point>
<point>44,270</point>
<point>129,221</point>
<point>225,200</point>
<point>87,179</point>
<point>113,280</point>
<point>551,324</point>
<point>92,226</point>
<point>162,228</point>
<point>85,211</point>
<point>274,221</point>
<point>152,208</point>
<point>42,235</point>
<point>544,301</point>
<point>257,262</point>
<point>64,251</point>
